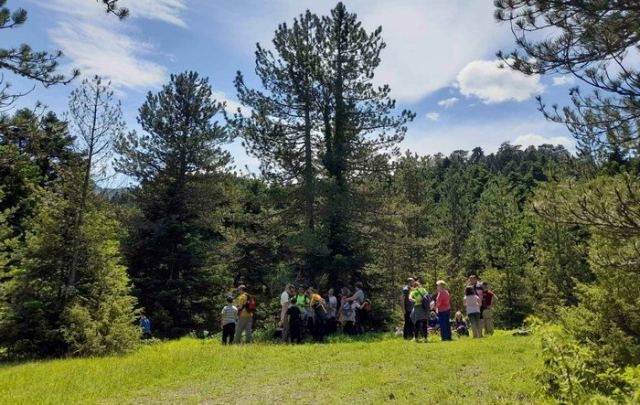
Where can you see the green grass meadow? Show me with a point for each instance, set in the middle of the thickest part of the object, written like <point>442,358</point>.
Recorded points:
<point>378,369</point>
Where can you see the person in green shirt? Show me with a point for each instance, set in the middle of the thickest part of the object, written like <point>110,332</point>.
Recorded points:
<point>419,315</point>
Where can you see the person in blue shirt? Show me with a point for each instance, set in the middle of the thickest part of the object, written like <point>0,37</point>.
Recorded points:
<point>145,324</point>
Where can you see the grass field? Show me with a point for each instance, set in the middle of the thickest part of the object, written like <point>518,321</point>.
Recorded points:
<point>378,369</point>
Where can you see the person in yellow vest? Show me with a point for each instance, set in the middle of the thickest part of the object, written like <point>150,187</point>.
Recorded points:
<point>245,317</point>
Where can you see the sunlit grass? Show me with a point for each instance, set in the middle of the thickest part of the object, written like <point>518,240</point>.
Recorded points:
<point>499,369</point>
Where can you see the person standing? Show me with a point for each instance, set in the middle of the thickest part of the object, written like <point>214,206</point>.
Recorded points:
<point>229,315</point>
<point>443,306</point>
<point>319,312</point>
<point>476,284</point>
<point>488,300</point>
<point>245,317</point>
<point>472,305</point>
<point>407,330</point>
<point>332,302</point>
<point>358,298</point>
<point>285,297</point>
<point>145,324</point>
<point>419,314</point>
<point>347,312</point>
<point>294,320</point>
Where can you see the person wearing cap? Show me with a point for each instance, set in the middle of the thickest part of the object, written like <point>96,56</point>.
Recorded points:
<point>245,317</point>
<point>407,330</point>
<point>228,317</point>
<point>443,306</point>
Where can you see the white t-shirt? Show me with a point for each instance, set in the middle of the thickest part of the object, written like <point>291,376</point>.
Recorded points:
<point>229,314</point>
<point>284,298</point>
<point>333,306</point>
<point>472,304</point>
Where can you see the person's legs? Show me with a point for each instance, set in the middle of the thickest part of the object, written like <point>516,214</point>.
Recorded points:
<point>445,327</point>
<point>349,328</point>
<point>407,331</point>
<point>420,328</point>
<point>230,333</point>
<point>243,325</point>
<point>249,329</point>
<point>238,334</point>
<point>225,333</point>
<point>360,321</point>
<point>487,314</point>
<point>475,324</point>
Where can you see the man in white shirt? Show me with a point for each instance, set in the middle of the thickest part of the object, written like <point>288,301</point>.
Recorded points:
<point>289,291</point>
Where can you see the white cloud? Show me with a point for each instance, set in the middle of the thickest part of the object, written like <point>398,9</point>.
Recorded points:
<point>487,135</point>
<point>485,80</point>
<point>428,42</point>
<point>433,116</point>
<point>532,139</point>
<point>103,45</point>
<point>448,102</point>
<point>118,57</point>
<point>168,11</point>
<point>563,80</point>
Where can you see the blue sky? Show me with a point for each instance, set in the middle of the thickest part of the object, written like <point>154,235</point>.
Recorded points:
<point>439,60</point>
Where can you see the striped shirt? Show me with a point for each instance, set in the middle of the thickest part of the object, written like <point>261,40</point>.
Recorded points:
<point>229,314</point>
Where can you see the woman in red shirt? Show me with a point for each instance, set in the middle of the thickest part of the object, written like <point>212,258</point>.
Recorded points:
<point>443,306</point>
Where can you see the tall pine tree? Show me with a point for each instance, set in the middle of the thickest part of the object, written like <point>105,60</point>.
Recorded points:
<point>175,243</point>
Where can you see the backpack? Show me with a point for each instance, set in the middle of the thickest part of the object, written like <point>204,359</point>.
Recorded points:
<point>426,302</point>
<point>251,304</point>
<point>347,309</point>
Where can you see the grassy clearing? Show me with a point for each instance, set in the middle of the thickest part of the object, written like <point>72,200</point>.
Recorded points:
<point>499,369</point>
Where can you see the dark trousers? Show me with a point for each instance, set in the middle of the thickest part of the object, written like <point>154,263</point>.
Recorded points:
<point>332,326</point>
<point>295,333</point>
<point>362,320</point>
<point>420,328</point>
<point>228,333</point>
<point>445,326</point>
<point>349,328</point>
<point>407,331</point>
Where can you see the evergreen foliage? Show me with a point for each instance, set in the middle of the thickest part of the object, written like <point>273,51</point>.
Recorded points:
<point>176,245</point>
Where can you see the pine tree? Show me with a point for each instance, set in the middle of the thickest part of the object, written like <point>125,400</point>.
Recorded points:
<point>501,236</point>
<point>282,128</point>
<point>591,41</point>
<point>47,316</point>
<point>176,241</point>
<point>359,130</point>
<point>97,120</point>
<point>23,61</point>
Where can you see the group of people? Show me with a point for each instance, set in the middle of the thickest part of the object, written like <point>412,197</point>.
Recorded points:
<point>425,313</point>
<point>306,311</point>
<point>303,311</point>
